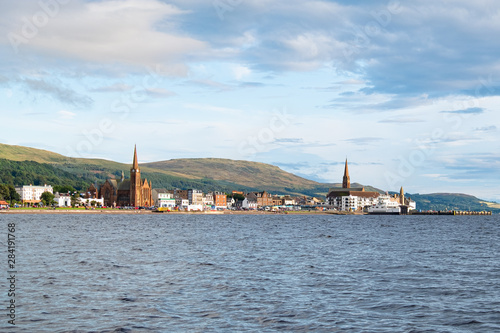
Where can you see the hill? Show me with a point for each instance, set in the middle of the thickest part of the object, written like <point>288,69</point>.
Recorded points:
<point>248,174</point>
<point>207,174</point>
<point>452,201</point>
<point>31,172</point>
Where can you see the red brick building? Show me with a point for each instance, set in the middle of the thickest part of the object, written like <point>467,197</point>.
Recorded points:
<point>133,192</point>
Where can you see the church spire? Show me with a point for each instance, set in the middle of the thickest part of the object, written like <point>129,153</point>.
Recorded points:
<point>135,165</point>
<point>401,196</point>
<point>346,181</point>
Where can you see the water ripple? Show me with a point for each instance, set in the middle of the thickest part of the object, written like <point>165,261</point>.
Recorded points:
<point>167,273</point>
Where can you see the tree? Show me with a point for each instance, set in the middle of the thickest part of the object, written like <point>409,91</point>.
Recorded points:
<point>8,192</point>
<point>237,196</point>
<point>13,195</point>
<point>64,188</point>
<point>47,198</point>
<point>74,198</point>
<point>4,192</point>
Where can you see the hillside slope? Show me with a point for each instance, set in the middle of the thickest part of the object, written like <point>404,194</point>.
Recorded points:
<point>207,174</point>
<point>251,174</point>
<point>204,174</point>
<point>452,201</point>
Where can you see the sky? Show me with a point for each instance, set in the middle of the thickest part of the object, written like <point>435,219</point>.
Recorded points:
<point>408,92</point>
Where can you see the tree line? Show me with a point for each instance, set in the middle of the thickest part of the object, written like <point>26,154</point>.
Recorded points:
<point>29,172</point>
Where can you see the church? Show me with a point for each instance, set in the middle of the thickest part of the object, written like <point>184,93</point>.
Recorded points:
<point>133,192</point>
<point>347,198</point>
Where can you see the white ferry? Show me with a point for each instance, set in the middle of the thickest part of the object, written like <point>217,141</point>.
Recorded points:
<point>385,205</point>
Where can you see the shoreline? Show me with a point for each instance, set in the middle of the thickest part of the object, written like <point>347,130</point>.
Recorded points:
<point>226,212</point>
<point>149,212</point>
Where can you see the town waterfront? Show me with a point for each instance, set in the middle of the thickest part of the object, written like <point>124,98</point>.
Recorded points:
<point>254,273</point>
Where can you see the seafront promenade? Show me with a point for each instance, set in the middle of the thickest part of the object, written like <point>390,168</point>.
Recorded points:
<point>148,212</point>
<point>108,211</point>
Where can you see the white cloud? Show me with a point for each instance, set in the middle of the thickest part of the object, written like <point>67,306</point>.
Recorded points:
<point>241,72</point>
<point>66,114</point>
<point>130,32</point>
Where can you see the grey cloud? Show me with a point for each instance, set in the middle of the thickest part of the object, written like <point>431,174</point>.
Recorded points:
<point>364,141</point>
<point>401,120</point>
<point>159,93</point>
<point>486,129</point>
<point>119,87</point>
<point>466,111</point>
<point>251,84</point>
<point>418,47</point>
<point>474,166</point>
<point>63,95</point>
<point>289,140</point>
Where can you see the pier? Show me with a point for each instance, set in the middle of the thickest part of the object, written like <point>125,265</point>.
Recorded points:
<point>451,212</point>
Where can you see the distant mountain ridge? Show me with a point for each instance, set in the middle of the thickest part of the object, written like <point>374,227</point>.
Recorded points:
<point>207,174</point>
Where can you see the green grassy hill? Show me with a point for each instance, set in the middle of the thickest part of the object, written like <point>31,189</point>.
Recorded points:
<point>205,174</point>
<point>29,165</point>
<point>31,172</point>
<point>452,201</point>
<point>249,174</point>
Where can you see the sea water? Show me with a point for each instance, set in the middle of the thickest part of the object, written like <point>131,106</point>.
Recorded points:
<point>253,273</point>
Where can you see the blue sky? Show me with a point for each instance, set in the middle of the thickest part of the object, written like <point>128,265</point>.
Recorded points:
<point>408,92</point>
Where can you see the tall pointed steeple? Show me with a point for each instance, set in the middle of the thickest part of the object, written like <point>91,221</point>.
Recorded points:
<point>135,164</point>
<point>135,182</point>
<point>401,196</point>
<point>346,181</point>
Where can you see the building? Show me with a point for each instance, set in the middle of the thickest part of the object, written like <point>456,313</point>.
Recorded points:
<point>134,192</point>
<point>407,202</point>
<point>249,203</point>
<point>356,199</point>
<point>99,202</point>
<point>163,198</point>
<point>31,194</point>
<point>208,199</point>
<point>195,197</point>
<point>62,199</point>
<point>181,203</point>
<point>220,200</point>
<point>264,199</point>
<point>92,192</point>
<point>4,205</point>
<point>277,201</point>
<point>288,201</point>
<point>347,198</point>
<point>183,194</point>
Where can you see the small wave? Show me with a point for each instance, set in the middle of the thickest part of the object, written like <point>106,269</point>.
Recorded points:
<point>128,299</point>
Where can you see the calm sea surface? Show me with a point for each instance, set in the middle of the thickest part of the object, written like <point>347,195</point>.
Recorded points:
<point>189,273</point>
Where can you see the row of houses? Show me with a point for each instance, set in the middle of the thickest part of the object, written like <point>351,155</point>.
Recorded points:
<point>191,199</point>
<point>194,199</point>
<point>136,192</point>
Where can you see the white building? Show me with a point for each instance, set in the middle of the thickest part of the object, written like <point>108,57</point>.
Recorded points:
<point>249,203</point>
<point>62,200</point>
<point>163,198</point>
<point>194,208</point>
<point>88,201</point>
<point>31,194</point>
<point>182,203</point>
<point>349,200</point>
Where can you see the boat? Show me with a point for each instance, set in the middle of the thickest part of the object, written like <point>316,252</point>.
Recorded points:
<point>386,205</point>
